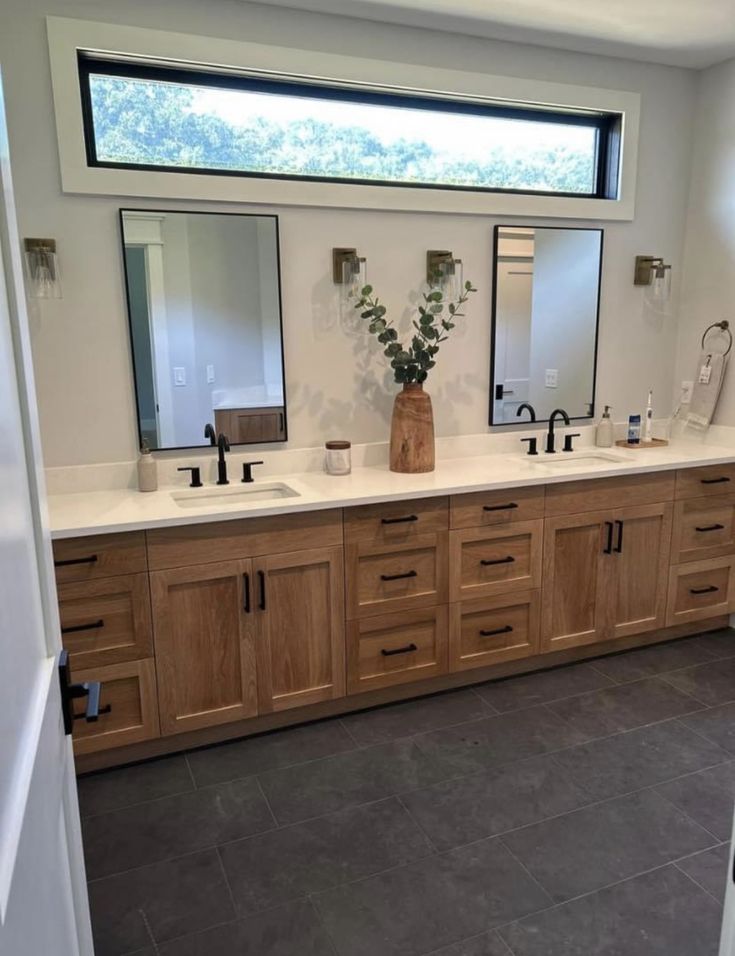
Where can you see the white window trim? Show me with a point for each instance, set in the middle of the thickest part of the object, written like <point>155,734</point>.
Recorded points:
<point>66,36</point>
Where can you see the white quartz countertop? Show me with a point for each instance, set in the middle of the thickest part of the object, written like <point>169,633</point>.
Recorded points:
<point>124,509</point>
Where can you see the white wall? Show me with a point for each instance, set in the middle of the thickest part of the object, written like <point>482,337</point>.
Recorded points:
<point>337,384</point>
<point>708,289</point>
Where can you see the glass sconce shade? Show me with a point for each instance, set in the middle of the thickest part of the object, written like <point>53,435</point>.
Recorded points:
<point>349,271</point>
<point>658,293</point>
<point>444,272</point>
<point>42,269</point>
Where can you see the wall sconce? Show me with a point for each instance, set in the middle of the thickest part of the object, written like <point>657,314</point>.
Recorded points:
<point>42,267</point>
<point>349,270</point>
<point>655,274</point>
<point>444,272</point>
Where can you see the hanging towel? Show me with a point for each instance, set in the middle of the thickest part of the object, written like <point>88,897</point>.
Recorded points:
<point>707,385</point>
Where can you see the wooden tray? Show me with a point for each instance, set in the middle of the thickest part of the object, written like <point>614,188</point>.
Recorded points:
<point>653,443</point>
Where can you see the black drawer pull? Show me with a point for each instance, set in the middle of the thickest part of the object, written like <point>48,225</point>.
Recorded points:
<point>398,577</point>
<point>93,710</point>
<point>711,527</point>
<point>619,545</point>
<point>92,559</point>
<point>261,579</point>
<point>509,507</point>
<point>608,547</point>
<point>399,520</point>
<point>487,561</point>
<point>708,590</point>
<point>246,593</point>
<point>714,481</point>
<point>498,630</point>
<point>399,650</point>
<point>93,626</point>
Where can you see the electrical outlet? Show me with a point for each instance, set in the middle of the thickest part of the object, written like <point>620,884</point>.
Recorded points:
<point>552,378</point>
<point>210,374</point>
<point>179,376</point>
<point>686,393</point>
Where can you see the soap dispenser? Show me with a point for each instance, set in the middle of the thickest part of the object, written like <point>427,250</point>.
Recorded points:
<point>147,470</point>
<point>605,433</point>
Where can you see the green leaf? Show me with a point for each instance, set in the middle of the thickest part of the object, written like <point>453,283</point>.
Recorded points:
<point>366,290</point>
<point>437,308</point>
<point>421,375</point>
<point>452,308</point>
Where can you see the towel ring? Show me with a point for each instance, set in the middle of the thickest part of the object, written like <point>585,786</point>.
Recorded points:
<point>725,327</point>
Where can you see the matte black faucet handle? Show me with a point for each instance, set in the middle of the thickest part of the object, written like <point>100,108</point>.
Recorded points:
<point>210,433</point>
<point>532,445</point>
<point>196,476</point>
<point>247,470</point>
<point>568,441</point>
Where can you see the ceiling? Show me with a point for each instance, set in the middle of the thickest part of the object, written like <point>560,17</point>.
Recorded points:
<point>691,33</point>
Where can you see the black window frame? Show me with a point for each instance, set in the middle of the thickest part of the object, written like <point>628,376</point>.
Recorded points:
<point>607,124</point>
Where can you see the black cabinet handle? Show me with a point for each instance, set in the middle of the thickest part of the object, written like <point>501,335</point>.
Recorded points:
<point>261,580</point>
<point>708,590</point>
<point>619,545</point>
<point>399,650</point>
<point>280,422</point>
<point>398,577</point>
<point>509,507</point>
<point>246,593</point>
<point>399,520</point>
<point>92,626</point>
<point>608,547</point>
<point>71,692</point>
<point>498,630</point>
<point>488,561</point>
<point>92,559</point>
<point>711,527</point>
<point>714,481</point>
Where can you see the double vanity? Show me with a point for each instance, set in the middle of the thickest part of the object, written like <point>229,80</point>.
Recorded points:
<point>211,613</point>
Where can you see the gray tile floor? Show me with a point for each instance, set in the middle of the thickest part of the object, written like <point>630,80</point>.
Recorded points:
<point>582,811</point>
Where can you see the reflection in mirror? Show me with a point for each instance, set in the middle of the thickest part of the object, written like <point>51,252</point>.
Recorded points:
<point>205,326</point>
<point>545,317</point>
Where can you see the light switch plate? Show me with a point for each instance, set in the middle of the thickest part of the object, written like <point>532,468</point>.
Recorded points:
<point>179,376</point>
<point>210,374</point>
<point>686,393</point>
<point>552,377</point>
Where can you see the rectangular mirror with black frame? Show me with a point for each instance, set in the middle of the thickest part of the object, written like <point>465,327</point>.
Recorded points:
<point>204,310</point>
<point>546,304</point>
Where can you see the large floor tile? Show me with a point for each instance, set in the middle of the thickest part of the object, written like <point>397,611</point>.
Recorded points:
<point>720,644</point>
<point>656,914</point>
<point>113,789</point>
<point>484,804</point>
<point>706,797</point>
<point>281,748</point>
<point>488,944</point>
<point>291,930</point>
<point>346,780</point>
<point>624,707</point>
<point>420,907</point>
<point>486,743</point>
<point>638,758</point>
<point>602,844</point>
<point>169,899</point>
<point>415,716</point>
<point>716,724</point>
<point>172,826</point>
<point>654,660</point>
<point>709,869</point>
<point>712,683</point>
<point>294,861</point>
<point>531,689</point>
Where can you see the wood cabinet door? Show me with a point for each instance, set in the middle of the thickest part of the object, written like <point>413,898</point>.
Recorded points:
<point>204,632</point>
<point>576,580</point>
<point>641,548</point>
<point>299,601</point>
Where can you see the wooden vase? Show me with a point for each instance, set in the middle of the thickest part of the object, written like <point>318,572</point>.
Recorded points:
<point>412,431</point>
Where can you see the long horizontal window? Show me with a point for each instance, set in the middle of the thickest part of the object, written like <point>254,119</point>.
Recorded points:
<point>187,120</point>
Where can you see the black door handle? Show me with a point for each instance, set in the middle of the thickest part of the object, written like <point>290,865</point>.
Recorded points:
<point>509,507</point>
<point>261,580</point>
<point>399,520</point>
<point>92,690</point>
<point>398,577</point>
<point>66,562</point>
<point>608,547</point>
<point>498,630</point>
<point>711,527</point>
<point>488,561</point>
<point>246,593</point>
<point>619,545</point>
<point>714,481</point>
<point>399,650</point>
<point>710,589</point>
<point>92,626</point>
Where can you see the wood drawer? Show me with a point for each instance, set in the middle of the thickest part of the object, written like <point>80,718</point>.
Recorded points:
<point>701,589</point>
<point>491,630</point>
<point>710,480</point>
<point>106,621</point>
<point>396,522</point>
<point>576,497</point>
<point>491,561</point>
<point>487,508</point>
<point>396,648</point>
<point>130,690</point>
<point>99,556</point>
<point>382,578</point>
<point>242,538</point>
<point>703,528</point>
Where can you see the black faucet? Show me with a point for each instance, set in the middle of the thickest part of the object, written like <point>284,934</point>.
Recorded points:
<point>526,407</point>
<point>211,434</point>
<point>223,445</point>
<point>557,413</point>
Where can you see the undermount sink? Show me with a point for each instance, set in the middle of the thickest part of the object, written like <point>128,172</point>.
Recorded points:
<point>585,459</point>
<point>209,498</point>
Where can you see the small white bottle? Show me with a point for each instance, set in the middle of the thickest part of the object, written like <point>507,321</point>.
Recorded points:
<point>605,433</point>
<point>147,470</point>
<point>648,425</point>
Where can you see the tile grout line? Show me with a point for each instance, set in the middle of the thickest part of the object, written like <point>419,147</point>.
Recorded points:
<point>225,877</point>
<point>526,870</point>
<point>434,848</point>
<point>696,882</point>
<point>320,920</point>
<point>688,815</point>
<point>278,824</point>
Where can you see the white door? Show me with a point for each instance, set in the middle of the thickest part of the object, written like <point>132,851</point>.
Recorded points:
<point>727,944</point>
<point>43,901</point>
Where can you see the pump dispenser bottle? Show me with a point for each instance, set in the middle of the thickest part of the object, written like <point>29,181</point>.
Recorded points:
<point>605,434</point>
